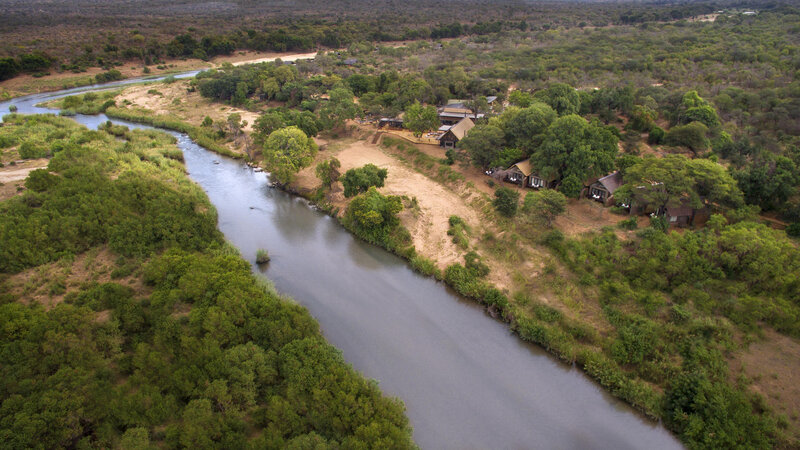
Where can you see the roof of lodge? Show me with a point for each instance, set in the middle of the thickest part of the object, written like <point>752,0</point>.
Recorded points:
<point>461,129</point>
<point>611,182</point>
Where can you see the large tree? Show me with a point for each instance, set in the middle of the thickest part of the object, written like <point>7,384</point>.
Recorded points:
<point>524,127</point>
<point>543,206</point>
<point>420,119</point>
<point>563,98</point>
<point>657,183</point>
<point>338,108</point>
<point>286,151</point>
<point>484,143</point>
<point>574,150</point>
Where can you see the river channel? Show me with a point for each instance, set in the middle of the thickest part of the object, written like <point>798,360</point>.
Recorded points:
<point>466,380</point>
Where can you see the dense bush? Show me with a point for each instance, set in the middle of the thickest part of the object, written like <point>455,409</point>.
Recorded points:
<point>373,217</point>
<point>506,201</point>
<point>125,367</point>
<point>356,181</point>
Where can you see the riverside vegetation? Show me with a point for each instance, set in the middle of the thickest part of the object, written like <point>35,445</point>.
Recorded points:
<point>656,316</point>
<point>198,353</point>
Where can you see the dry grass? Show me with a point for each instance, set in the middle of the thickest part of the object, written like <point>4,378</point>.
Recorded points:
<point>772,366</point>
<point>48,284</point>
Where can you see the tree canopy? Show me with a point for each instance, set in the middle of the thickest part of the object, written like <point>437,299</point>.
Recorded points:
<point>286,151</point>
<point>420,119</point>
<point>574,150</point>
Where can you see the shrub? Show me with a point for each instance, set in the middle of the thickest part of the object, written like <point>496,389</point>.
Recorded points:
<point>656,136</point>
<point>262,256</point>
<point>630,223</point>
<point>460,231</point>
<point>356,181</point>
<point>506,201</point>
<point>793,230</point>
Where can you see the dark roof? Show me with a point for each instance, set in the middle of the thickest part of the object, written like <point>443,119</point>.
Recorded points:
<point>611,182</point>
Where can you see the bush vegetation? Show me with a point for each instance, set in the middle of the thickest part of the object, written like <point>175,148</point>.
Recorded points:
<point>243,367</point>
<point>356,181</point>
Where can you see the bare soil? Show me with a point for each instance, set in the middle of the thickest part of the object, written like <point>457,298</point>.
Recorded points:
<point>428,224</point>
<point>12,177</point>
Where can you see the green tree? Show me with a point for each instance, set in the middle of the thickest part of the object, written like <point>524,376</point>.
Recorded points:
<point>286,151</point>
<point>643,118</point>
<point>356,181</point>
<point>339,108</point>
<point>692,136</point>
<point>484,144</point>
<point>657,183</point>
<point>506,201</point>
<point>573,151</point>
<point>543,206</point>
<point>373,216</point>
<point>328,171</point>
<point>520,98</point>
<point>769,181</point>
<point>563,98</point>
<point>420,119</point>
<point>525,127</point>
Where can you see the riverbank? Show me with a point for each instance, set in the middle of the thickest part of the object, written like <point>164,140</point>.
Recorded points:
<point>114,291</point>
<point>28,84</point>
<point>546,304</point>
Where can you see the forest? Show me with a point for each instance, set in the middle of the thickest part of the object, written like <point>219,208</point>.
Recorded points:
<point>198,353</point>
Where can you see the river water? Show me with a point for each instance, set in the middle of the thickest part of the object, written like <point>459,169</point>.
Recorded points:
<point>466,381</point>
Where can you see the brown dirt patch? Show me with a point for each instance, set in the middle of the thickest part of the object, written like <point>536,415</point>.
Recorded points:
<point>48,284</point>
<point>584,215</point>
<point>12,177</point>
<point>773,365</point>
<point>428,223</point>
<point>175,99</point>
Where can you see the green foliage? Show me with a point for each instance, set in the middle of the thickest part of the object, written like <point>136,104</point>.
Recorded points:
<point>359,180</point>
<point>202,136</point>
<point>243,367</point>
<point>524,127</point>
<point>484,144</point>
<point>643,118</point>
<point>262,256</point>
<point>460,230</point>
<point>135,214</point>
<point>711,414</point>
<point>630,223</point>
<point>656,136</point>
<point>286,151</point>
<point>563,98</point>
<point>506,201</point>
<point>543,206</point>
<point>691,136</point>
<point>420,119</point>
<point>111,75</point>
<point>373,217</point>
<point>675,180</point>
<point>338,108</point>
<point>573,151</point>
<point>328,171</point>
<point>89,103</point>
<point>276,118</point>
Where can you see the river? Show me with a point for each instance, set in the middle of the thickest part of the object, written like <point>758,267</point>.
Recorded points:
<point>466,380</point>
